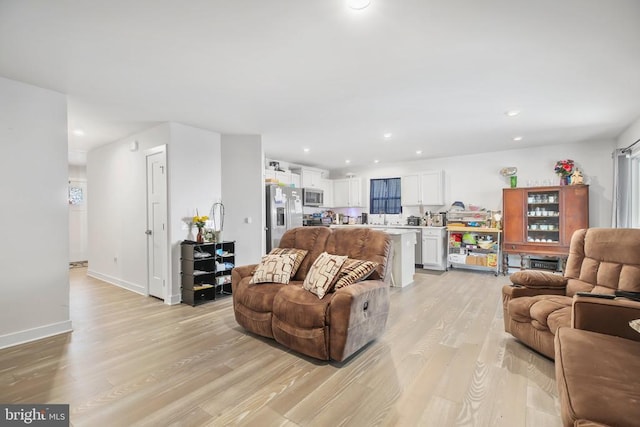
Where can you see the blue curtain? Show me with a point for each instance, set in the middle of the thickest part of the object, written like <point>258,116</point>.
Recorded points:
<point>393,196</point>
<point>384,196</point>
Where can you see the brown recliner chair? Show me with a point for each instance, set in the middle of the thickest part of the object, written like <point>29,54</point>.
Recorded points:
<point>601,261</point>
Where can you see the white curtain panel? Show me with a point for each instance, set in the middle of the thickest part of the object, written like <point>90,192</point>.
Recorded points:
<point>622,187</point>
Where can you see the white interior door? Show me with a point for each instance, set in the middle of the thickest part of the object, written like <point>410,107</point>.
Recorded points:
<point>157,261</point>
<point>78,240</point>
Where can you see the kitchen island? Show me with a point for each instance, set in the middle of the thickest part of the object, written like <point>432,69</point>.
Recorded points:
<point>430,250</point>
<point>404,242</point>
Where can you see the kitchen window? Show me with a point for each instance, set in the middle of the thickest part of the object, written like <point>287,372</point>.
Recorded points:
<point>384,196</point>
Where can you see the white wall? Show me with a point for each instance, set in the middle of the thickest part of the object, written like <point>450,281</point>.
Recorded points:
<point>116,179</point>
<point>243,195</point>
<point>195,182</point>
<point>476,179</point>
<point>35,230</point>
<point>630,135</point>
<point>78,172</point>
<point>117,200</point>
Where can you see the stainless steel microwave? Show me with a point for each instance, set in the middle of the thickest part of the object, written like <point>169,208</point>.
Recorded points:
<point>312,197</point>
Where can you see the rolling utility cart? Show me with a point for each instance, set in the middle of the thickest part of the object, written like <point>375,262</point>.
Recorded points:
<point>476,248</point>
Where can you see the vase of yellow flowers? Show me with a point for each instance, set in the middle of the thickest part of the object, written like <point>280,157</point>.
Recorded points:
<point>200,222</point>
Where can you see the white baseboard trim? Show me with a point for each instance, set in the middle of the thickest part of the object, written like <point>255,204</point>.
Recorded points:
<point>174,299</point>
<point>133,287</point>
<point>28,335</point>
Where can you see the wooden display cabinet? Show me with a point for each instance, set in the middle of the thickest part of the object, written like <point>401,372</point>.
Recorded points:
<point>541,220</point>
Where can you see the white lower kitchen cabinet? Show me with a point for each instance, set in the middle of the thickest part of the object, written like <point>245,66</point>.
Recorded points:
<point>434,253</point>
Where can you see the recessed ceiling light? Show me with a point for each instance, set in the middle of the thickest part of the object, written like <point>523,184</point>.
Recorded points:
<point>387,135</point>
<point>306,150</point>
<point>358,4</point>
<point>78,132</point>
<point>418,152</point>
<point>347,161</point>
<point>376,161</point>
<point>517,138</point>
<point>512,113</point>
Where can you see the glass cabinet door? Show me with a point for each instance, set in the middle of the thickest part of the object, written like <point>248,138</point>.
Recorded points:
<point>543,216</point>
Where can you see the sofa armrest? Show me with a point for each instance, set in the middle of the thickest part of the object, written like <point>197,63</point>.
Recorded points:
<point>517,291</point>
<point>533,279</point>
<point>606,316</point>
<point>239,273</point>
<point>357,314</point>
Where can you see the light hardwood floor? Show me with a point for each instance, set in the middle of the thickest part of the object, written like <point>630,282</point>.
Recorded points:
<point>131,360</point>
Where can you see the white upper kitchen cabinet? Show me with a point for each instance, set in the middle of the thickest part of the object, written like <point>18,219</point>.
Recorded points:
<point>425,188</point>
<point>410,190</point>
<point>311,178</point>
<point>355,192</point>
<point>327,193</point>
<point>347,192</point>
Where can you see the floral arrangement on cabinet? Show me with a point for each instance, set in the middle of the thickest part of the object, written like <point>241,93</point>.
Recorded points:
<point>564,167</point>
<point>200,222</point>
<point>568,172</point>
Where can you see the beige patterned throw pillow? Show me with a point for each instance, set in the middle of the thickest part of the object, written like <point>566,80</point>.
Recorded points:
<point>299,253</point>
<point>274,269</point>
<point>354,270</point>
<point>323,273</point>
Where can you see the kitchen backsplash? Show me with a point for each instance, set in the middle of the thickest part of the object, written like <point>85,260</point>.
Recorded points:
<point>391,219</point>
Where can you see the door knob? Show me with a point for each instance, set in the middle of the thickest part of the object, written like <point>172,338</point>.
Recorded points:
<point>148,232</point>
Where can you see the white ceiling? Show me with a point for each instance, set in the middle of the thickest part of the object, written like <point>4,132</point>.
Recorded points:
<point>438,74</point>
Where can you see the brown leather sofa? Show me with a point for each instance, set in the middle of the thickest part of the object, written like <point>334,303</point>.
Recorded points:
<point>601,260</point>
<point>597,364</point>
<point>334,327</point>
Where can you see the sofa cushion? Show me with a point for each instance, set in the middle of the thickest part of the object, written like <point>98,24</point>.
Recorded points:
<point>257,297</point>
<point>559,319</point>
<point>299,253</point>
<point>595,376</point>
<point>296,306</point>
<point>312,239</point>
<point>323,273</point>
<point>363,243</point>
<point>274,269</point>
<point>604,258</point>
<point>354,270</point>
<point>300,321</point>
<point>537,309</point>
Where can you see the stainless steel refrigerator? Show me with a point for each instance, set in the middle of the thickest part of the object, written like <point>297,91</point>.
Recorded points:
<point>284,211</point>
